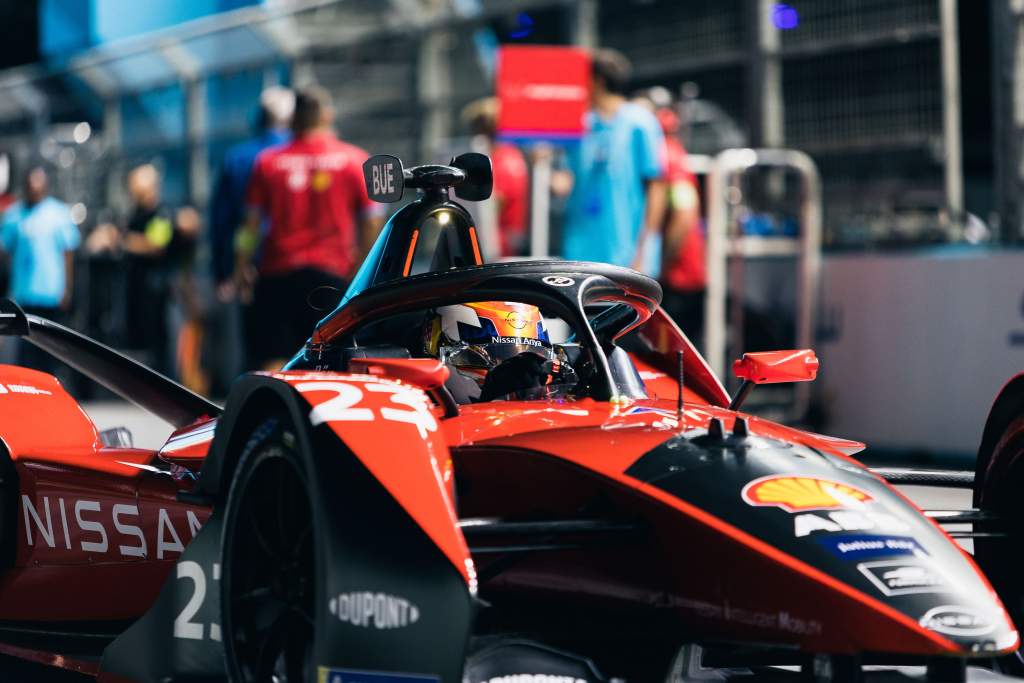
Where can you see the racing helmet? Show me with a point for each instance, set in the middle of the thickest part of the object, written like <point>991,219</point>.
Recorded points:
<point>476,337</point>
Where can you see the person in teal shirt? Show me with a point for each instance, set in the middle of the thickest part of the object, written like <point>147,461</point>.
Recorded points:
<point>40,238</point>
<point>618,192</point>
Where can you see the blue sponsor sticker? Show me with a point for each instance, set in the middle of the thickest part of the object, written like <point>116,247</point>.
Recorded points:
<point>330,675</point>
<point>857,546</point>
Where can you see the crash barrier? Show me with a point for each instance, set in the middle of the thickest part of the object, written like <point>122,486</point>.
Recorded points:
<point>727,246</point>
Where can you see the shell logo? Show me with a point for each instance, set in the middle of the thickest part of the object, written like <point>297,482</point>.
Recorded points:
<point>798,494</point>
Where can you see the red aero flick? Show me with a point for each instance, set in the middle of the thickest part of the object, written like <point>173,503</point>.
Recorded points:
<point>469,471</point>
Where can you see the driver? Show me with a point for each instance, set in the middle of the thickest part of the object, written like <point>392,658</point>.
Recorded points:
<point>497,350</point>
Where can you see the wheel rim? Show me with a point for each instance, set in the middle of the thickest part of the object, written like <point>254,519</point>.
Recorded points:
<point>271,577</point>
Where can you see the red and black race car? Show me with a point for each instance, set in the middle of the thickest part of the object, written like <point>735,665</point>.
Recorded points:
<point>470,472</point>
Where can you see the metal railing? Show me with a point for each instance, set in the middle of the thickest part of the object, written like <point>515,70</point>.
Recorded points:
<point>725,241</point>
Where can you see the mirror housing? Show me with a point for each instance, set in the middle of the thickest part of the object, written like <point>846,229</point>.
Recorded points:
<point>774,367</point>
<point>426,373</point>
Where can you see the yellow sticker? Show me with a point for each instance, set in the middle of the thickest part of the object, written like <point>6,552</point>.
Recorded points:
<point>159,232</point>
<point>321,181</point>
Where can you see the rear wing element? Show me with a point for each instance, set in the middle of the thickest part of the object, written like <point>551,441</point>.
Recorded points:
<point>124,376</point>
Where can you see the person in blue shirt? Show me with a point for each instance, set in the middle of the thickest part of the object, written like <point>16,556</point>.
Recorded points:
<point>231,324</point>
<point>40,239</point>
<point>618,192</point>
<point>228,207</point>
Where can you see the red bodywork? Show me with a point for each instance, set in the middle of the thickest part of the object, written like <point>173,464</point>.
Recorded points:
<point>105,514</point>
<point>107,518</point>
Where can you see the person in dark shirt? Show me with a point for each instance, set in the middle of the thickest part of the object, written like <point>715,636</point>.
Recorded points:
<point>228,203</point>
<point>156,250</point>
<point>230,322</point>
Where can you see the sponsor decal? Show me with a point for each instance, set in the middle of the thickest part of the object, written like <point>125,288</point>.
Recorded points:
<point>326,674</point>
<point>559,92</point>
<point>955,620</point>
<point>640,410</point>
<point>24,389</point>
<point>799,494</point>
<point>116,529</point>
<point>374,610</point>
<point>848,520</point>
<point>783,620</point>
<point>858,546</point>
<point>516,320</point>
<point>517,340</point>
<point>903,577</point>
<point>558,281</point>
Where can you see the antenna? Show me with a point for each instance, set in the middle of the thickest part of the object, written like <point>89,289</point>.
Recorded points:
<point>679,398</point>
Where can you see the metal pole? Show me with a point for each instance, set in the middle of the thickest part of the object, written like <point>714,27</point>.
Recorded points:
<point>810,267</point>
<point>771,123</point>
<point>434,84</point>
<point>540,208</point>
<point>112,150</point>
<point>195,133</point>
<point>715,254</point>
<point>951,114</point>
<point>584,29</point>
<point>764,77</point>
<point>1008,102</point>
<point>302,73</point>
<point>486,212</point>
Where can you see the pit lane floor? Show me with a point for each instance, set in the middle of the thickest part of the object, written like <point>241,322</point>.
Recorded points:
<point>150,432</point>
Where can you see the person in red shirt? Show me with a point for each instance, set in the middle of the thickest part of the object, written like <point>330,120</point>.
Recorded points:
<point>319,225</point>
<point>683,272</point>
<point>511,177</point>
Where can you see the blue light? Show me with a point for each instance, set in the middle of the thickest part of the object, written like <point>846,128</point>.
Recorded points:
<point>785,17</point>
<point>524,26</point>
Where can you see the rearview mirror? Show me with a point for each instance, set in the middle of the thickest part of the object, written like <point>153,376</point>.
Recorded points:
<point>426,373</point>
<point>773,367</point>
<point>479,177</point>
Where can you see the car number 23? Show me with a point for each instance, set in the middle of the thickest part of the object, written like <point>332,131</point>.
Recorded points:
<point>350,404</point>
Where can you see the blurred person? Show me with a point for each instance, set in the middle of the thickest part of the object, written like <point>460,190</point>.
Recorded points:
<point>229,324</point>
<point>159,248</point>
<point>511,177</point>
<point>683,273</point>
<point>188,312</point>
<point>320,224</point>
<point>40,238</point>
<point>228,204</point>
<point>617,195</point>
<point>6,199</point>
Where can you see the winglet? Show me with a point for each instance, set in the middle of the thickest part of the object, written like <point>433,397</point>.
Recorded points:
<point>13,322</point>
<point>384,177</point>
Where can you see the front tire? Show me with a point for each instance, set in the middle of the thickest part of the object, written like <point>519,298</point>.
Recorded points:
<point>268,584</point>
<point>1002,559</point>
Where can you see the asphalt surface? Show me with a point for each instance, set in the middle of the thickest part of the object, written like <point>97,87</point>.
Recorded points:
<point>150,432</point>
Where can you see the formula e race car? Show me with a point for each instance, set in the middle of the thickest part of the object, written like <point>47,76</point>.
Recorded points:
<point>481,472</point>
